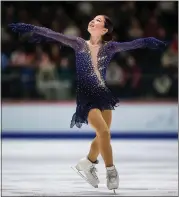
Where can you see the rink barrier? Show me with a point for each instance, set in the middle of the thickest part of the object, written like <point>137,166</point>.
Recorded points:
<point>51,120</point>
<point>86,135</point>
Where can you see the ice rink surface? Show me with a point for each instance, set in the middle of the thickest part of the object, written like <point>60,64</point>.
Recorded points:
<point>43,168</point>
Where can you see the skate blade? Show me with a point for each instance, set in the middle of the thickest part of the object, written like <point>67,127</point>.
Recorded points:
<point>114,191</point>
<point>79,173</point>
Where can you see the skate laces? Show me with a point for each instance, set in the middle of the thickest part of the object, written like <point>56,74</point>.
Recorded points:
<point>111,175</point>
<point>93,171</point>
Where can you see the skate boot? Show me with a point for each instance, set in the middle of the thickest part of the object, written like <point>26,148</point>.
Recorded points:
<point>86,169</point>
<point>112,178</point>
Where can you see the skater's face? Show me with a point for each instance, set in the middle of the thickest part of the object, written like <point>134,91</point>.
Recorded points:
<point>96,27</point>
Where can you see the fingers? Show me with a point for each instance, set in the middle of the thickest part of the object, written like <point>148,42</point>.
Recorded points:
<point>13,26</point>
<point>166,43</point>
<point>159,44</point>
<point>163,44</point>
<point>21,27</point>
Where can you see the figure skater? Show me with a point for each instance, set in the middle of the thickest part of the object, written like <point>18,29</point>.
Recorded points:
<point>95,101</point>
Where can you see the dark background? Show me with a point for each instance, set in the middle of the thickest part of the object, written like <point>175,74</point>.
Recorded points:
<point>47,71</point>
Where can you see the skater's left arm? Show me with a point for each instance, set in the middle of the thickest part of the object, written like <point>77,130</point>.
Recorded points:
<point>151,43</point>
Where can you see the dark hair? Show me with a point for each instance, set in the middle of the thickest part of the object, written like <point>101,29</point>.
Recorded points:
<point>108,25</point>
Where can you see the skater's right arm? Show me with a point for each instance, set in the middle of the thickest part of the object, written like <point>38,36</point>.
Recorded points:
<point>39,34</point>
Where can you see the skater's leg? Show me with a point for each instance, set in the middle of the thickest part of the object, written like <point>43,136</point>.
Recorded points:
<point>97,121</point>
<point>102,144</point>
<point>107,116</point>
<point>94,149</point>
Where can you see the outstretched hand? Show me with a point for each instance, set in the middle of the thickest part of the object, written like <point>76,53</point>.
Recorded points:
<point>29,32</point>
<point>21,27</point>
<point>154,43</point>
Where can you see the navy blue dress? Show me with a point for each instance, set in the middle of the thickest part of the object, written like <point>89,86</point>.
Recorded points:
<point>91,91</point>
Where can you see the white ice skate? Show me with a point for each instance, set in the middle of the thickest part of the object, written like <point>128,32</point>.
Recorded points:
<point>112,178</point>
<point>87,170</point>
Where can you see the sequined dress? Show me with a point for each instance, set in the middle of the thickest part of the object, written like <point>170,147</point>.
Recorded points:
<point>92,91</point>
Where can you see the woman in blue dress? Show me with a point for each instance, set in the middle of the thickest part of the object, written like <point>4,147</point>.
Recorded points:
<point>95,101</point>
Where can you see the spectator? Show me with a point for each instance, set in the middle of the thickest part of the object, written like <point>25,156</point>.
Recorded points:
<point>130,74</point>
<point>18,58</point>
<point>47,81</point>
<point>65,79</point>
<point>72,30</point>
<point>162,85</point>
<point>55,51</point>
<point>170,57</point>
<point>4,61</point>
<point>135,30</point>
<point>151,27</point>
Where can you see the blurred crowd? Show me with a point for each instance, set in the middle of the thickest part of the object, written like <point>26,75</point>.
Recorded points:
<point>46,71</point>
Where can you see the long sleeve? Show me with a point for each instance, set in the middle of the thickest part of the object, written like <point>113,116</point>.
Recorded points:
<point>151,43</point>
<point>40,34</point>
